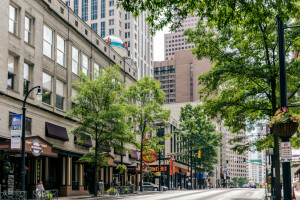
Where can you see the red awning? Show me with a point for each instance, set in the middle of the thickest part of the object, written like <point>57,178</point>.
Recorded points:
<point>87,143</point>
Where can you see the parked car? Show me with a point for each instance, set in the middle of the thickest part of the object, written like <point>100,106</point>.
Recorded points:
<point>252,186</point>
<point>164,188</point>
<point>150,186</point>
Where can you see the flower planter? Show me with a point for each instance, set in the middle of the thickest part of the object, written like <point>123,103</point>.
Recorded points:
<point>285,129</point>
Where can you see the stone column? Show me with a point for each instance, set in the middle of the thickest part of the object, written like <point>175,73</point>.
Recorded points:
<point>47,169</point>
<point>69,171</point>
<point>80,175</point>
<point>63,182</point>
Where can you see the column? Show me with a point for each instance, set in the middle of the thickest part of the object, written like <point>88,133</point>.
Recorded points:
<point>63,182</point>
<point>46,169</point>
<point>69,171</point>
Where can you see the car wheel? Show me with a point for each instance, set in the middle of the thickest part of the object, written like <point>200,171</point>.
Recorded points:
<point>155,189</point>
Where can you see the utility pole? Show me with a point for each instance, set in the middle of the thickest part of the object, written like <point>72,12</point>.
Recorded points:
<point>286,168</point>
<point>159,170</point>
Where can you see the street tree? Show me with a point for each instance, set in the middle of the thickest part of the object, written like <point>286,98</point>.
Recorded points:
<point>198,133</point>
<point>239,38</point>
<point>145,100</point>
<point>100,109</point>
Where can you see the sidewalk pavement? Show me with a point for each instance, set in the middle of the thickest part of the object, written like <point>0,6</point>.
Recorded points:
<point>106,196</point>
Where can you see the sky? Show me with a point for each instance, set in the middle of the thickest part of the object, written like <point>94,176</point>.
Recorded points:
<point>158,47</point>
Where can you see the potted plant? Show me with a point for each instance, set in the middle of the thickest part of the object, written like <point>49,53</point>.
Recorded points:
<point>127,190</point>
<point>112,191</point>
<point>284,123</point>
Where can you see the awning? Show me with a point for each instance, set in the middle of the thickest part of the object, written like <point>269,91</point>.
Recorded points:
<point>87,143</point>
<point>133,154</point>
<point>105,147</point>
<point>56,132</point>
<point>124,162</point>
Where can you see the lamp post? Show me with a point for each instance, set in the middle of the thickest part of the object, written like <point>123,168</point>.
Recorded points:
<point>23,171</point>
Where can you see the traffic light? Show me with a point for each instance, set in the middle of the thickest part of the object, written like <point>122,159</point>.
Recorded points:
<point>199,154</point>
<point>244,161</point>
<point>227,162</point>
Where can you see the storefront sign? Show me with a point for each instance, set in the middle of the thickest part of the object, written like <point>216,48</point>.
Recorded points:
<point>149,156</point>
<point>36,147</point>
<point>16,132</point>
<point>162,169</point>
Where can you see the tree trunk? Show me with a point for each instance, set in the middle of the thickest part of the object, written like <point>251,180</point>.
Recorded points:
<point>95,164</point>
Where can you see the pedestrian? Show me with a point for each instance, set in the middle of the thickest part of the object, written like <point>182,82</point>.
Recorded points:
<point>40,189</point>
<point>189,184</point>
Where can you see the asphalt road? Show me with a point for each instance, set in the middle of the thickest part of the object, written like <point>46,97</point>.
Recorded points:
<point>213,194</point>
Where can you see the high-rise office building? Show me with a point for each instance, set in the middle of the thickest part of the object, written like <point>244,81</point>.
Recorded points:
<point>177,41</point>
<point>106,19</point>
<point>179,77</point>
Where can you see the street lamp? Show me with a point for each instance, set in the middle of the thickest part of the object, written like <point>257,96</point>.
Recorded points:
<point>39,97</point>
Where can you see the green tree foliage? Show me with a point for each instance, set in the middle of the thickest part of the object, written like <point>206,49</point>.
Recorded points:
<point>239,181</point>
<point>100,109</point>
<point>198,132</point>
<point>145,108</point>
<point>239,37</point>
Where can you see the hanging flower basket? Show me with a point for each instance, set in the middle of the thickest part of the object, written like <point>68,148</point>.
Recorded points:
<point>284,123</point>
<point>286,129</point>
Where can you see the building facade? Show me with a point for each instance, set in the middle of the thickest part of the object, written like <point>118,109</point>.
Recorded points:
<point>43,43</point>
<point>177,41</point>
<point>179,77</point>
<point>106,19</point>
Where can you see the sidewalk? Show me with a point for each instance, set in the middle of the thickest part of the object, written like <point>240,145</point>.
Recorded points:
<point>106,196</point>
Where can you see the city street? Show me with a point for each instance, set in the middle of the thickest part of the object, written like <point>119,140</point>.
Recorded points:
<point>219,194</point>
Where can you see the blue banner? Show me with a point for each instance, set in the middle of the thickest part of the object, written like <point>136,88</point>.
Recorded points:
<point>16,131</point>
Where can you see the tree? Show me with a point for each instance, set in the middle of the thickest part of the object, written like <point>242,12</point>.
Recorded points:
<point>100,109</point>
<point>239,38</point>
<point>198,133</point>
<point>146,100</point>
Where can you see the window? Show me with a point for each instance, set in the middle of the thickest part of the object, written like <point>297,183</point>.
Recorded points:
<point>12,19</point>
<point>47,43</point>
<point>96,69</point>
<point>59,94</point>
<point>102,9</point>
<point>111,13</point>
<point>11,72</point>
<point>127,25</point>
<point>28,27</point>
<point>111,31</point>
<point>26,76</point>
<point>75,56</point>
<point>111,3</point>
<point>94,13</point>
<point>94,27</point>
<point>120,14</point>
<point>76,7</point>
<point>85,64</point>
<point>127,34</point>
<point>111,22</point>
<point>120,24</point>
<point>60,54</point>
<point>120,33</point>
<point>68,3</point>
<point>102,29</point>
<point>127,16</point>
<point>47,88</point>
<point>84,10</point>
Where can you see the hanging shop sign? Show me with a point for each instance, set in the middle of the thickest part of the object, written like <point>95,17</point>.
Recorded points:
<point>15,142</point>
<point>36,147</point>
<point>149,156</point>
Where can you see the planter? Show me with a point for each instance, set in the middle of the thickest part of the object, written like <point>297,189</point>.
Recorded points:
<point>285,130</point>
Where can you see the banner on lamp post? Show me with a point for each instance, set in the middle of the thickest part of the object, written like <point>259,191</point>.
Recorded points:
<point>16,131</point>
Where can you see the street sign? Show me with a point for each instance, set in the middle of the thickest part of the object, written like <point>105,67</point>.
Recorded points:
<point>270,151</point>
<point>286,152</point>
